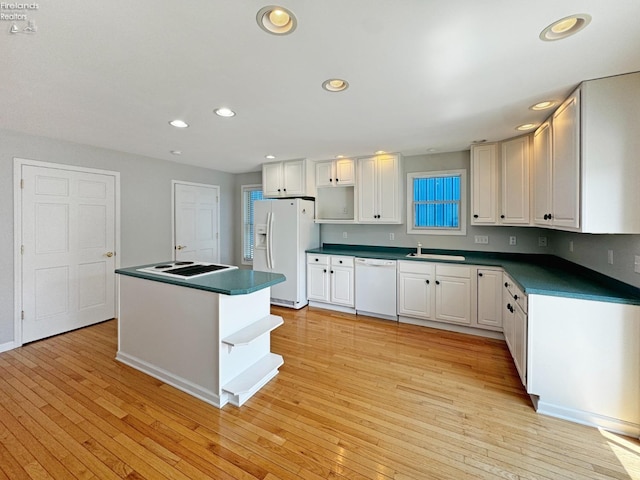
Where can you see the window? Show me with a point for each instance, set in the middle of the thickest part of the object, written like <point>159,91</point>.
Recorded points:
<point>250,193</point>
<point>436,202</point>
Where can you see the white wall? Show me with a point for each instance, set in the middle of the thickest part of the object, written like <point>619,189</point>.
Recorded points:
<point>145,202</point>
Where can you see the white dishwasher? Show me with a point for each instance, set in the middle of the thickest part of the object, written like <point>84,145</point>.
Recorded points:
<point>376,288</point>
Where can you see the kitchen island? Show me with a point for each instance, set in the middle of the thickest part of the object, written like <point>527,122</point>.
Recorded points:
<point>208,336</point>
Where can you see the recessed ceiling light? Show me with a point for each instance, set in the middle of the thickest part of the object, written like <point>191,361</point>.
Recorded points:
<point>380,152</point>
<point>339,156</point>
<point>542,105</point>
<point>179,123</point>
<point>270,157</point>
<point>276,20</point>
<point>565,27</point>
<point>479,141</point>
<point>176,152</point>
<point>335,85</point>
<point>224,112</point>
<point>526,126</point>
<point>432,150</point>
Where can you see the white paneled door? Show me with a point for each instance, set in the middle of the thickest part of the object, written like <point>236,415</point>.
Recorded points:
<point>68,245</point>
<point>196,222</point>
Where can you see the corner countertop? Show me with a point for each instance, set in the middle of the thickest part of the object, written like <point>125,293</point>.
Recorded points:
<point>534,273</point>
<point>231,282</point>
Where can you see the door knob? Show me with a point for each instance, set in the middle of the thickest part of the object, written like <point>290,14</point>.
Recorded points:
<point>180,247</point>
<point>109,254</point>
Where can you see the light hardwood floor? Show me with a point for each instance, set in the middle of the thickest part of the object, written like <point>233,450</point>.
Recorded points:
<point>356,399</point>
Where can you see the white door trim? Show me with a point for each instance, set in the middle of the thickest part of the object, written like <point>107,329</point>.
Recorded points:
<point>17,233</point>
<point>173,212</point>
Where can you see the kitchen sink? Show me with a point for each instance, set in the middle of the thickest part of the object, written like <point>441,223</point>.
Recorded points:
<point>436,256</point>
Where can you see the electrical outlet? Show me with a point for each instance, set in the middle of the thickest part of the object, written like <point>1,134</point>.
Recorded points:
<point>344,235</point>
<point>636,264</point>
<point>484,239</point>
<point>610,257</point>
<point>571,245</point>
<point>512,240</point>
<point>392,236</point>
<point>542,241</point>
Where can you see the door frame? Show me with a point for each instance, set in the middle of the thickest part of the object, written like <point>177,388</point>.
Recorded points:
<point>18,163</point>
<point>173,212</point>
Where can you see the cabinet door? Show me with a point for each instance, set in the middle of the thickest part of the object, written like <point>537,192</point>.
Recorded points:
<point>490,299</point>
<point>324,174</point>
<point>565,141</point>
<point>342,285</point>
<point>318,282</point>
<point>345,172</point>
<point>415,295</point>
<point>294,178</point>
<point>272,179</point>
<point>515,182</point>
<point>520,343</point>
<point>508,307</point>
<point>367,205</point>
<point>484,184</point>
<point>388,189</point>
<point>541,172</point>
<point>453,299</point>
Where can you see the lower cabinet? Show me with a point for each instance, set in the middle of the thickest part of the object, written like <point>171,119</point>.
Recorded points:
<point>515,325</point>
<point>434,291</point>
<point>489,299</point>
<point>330,280</point>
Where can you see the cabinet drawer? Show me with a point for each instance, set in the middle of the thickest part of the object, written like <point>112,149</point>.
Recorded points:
<point>515,293</point>
<point>318,259</point>
<point>340,261</point>
<point>453,271</point>
<point>415,267</point>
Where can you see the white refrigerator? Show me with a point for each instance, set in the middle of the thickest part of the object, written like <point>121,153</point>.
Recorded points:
<point>284,229</point>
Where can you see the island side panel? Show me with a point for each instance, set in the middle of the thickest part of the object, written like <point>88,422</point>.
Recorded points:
<point>171,332</point>
<point>237,312</point>
<point>584,361</point>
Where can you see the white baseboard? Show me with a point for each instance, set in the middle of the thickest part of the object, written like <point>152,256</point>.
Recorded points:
<point>450,327</point>
<point>590,419</point>
<point>5,347</point>
<point>173,380</point>
<point>331,306</point>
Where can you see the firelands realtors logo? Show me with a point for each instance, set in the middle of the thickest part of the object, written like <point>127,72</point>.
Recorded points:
<point>18,14</point>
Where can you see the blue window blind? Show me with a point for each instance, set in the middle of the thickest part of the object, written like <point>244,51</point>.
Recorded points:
<point>436,202</point>
<point>249,196</point>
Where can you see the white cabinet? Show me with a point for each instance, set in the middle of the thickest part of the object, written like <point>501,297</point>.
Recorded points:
<point>285,179</point>
<point>436,292</point>
<point>515,181</point>
<point>453,294</point>
<point>330,280</point>
<point>379,189</point>
<point>335,191</point>
<point>484,184</point>
<point>416,282</point>
<point>335,173</point>
<point>500,183</point>
<point>515,325</point>
<point>489,297</point>
<point>586,173</point>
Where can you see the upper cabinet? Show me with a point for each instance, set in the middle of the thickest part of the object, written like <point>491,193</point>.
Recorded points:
<point>286,179</point>
<point>379,189</point>
<point>586,173</point>
<point>334,173</point>
<point>500,183</point>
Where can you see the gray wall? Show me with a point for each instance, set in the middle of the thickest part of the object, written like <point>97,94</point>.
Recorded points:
<point>526,237</point>
<point>145,204</point>
<point>589,250</point>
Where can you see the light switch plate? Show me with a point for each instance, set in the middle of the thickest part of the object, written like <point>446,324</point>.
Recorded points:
<point>484,239</point>
<point>636,265</point>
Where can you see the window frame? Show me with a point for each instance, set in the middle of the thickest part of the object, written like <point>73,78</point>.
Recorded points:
<point>462,227</point>
<point>244,190</point>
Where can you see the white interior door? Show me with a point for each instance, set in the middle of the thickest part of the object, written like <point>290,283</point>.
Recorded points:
<point>196,217</point>
<point>68,243</point>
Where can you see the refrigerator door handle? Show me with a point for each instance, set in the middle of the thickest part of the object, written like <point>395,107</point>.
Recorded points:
<point>269,240</point>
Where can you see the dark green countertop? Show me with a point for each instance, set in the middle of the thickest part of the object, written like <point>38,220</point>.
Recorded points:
<point>535,273</point>
<point>230,282</point>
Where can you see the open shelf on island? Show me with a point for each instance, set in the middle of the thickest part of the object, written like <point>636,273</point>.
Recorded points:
<point>253,378</point>
<point>251,332</point>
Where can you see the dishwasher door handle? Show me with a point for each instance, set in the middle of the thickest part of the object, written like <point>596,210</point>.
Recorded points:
<point>375,262</point>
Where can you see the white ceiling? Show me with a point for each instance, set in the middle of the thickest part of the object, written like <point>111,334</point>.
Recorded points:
<point>423,74</point>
